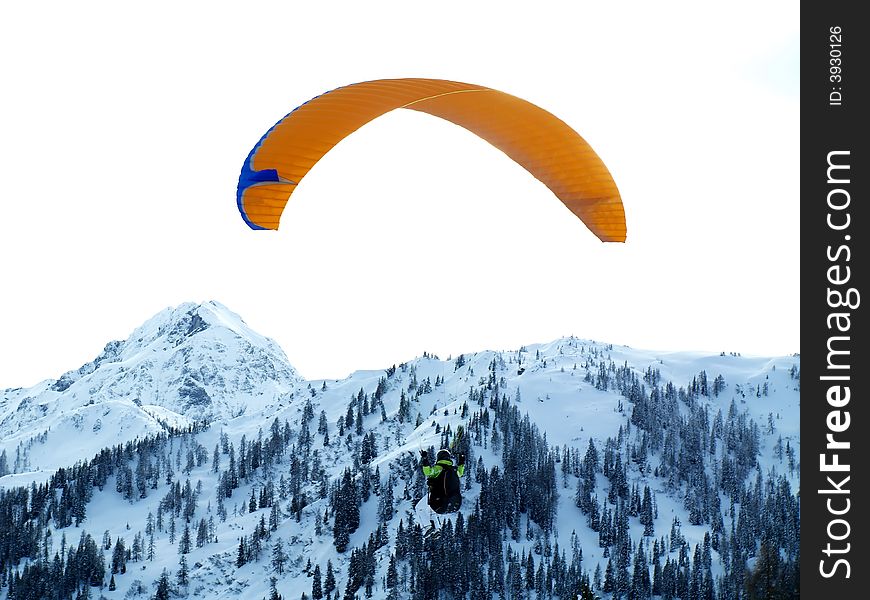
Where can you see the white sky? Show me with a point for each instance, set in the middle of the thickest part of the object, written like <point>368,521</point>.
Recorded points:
<point>123,130</point>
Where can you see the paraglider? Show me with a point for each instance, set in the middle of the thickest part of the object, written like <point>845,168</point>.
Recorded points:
<point>442,479</point>
<point>534,138</point>
<point>444,495</point>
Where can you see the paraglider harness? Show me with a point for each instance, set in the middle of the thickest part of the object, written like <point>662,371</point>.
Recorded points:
<point>442,479</point>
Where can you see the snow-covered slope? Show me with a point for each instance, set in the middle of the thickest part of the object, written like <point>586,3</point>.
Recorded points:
<point>188,363</point>
<point>201,362</point>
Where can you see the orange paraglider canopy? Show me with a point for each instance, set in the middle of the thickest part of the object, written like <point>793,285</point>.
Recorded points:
<point>539,141</point>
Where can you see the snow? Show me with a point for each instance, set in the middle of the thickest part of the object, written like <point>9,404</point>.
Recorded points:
<point>184,364</point>
<point>133,392</point>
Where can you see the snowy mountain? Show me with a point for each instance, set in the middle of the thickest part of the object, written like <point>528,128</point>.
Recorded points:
<point>217,472</point>
<point>186,364</point>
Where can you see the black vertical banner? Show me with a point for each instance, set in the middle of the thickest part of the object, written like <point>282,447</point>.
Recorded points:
<point>835,372</point>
